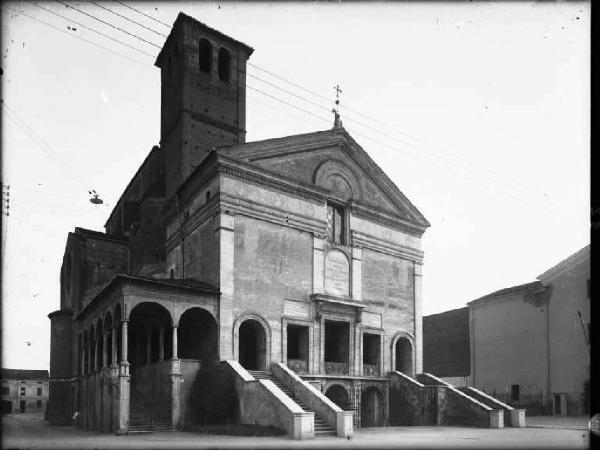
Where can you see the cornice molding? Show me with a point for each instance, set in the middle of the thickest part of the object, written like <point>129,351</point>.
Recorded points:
<point>385,218</point>
<point>275,215</point>
<point>270,179</point>
<point>199,217</point>
<point>374,243</point>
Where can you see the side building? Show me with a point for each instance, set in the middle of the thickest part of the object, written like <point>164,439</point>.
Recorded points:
<point>528,344</point>
<point>24,391</point>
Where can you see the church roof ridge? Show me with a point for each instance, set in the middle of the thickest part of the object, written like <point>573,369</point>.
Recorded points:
<point>277,140</point>
<point>335,134</point>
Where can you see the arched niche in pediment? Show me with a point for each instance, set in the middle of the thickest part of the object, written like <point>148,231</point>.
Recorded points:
<point>339,179</point>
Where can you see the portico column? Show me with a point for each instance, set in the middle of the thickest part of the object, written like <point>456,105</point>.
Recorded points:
<point>123,406</point>
<point>105,350</point>
<point>113,342</point>
<point>124,346</point>
<point>175,375</point>
<point>161,343</point>
<point>175,355</point>
<point>82,362</point>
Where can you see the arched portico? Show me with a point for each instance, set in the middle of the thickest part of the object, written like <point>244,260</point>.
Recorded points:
<point>148,330</point>
<point>198,335</point>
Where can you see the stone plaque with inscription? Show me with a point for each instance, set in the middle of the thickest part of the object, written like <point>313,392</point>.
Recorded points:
<point>337,273</point>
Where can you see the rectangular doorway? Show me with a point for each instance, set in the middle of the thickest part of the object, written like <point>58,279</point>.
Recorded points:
<point>371,354</point>
<point>297,348</point>
<point>337,347</point>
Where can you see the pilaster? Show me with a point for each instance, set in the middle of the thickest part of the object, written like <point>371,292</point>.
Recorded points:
<point>357,274</point>
<point>418,277</point>
<point>224,233</point>
<point>318,265</point>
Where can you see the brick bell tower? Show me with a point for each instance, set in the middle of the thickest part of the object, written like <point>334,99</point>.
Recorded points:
<point>203,96</point>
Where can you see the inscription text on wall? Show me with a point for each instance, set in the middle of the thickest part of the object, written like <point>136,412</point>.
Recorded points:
<point>337,273</point>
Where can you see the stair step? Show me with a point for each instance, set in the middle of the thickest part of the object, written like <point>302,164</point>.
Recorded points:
<point>321,427</point>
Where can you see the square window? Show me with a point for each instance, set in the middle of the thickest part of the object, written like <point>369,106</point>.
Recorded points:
<point>5,390</point>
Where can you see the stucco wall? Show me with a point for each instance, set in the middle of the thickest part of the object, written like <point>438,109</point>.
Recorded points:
<point>569,356</point>
<point>509,347</point>
<point>272,263</point>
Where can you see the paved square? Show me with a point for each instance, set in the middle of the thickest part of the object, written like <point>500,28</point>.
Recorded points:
<point>31,431</point>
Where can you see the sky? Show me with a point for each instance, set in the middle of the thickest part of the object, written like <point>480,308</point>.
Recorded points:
<point>478,112</point>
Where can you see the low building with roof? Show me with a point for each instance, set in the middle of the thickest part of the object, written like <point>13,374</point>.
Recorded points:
<point>24,391</point>
<point>528,344</point>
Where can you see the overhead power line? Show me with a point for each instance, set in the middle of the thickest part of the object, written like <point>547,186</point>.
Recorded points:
<point>452,163</point>
<point>126,18</point>
<point>109,24</point>
<point>451,157</point>
<point>144,14</point>
<point>90,29</point>
<point>13,116</point>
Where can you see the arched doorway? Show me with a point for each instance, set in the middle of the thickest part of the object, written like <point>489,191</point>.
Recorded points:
<point>403,353</point>
<point>372,408</point>
<point>252,345</point>
<point>197,335</point>
<point>338,395</point>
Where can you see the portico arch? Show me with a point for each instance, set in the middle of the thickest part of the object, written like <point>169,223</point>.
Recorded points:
<point>252,339</point>
<point>144,320</point>
<point>198,335</point>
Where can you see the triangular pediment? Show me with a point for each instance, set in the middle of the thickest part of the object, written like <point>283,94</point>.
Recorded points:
<point>332,160</point>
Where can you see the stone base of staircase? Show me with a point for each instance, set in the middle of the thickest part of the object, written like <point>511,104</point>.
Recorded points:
<point>321,427</point>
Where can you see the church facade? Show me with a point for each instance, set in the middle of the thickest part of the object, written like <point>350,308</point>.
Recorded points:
<point>296,251</point>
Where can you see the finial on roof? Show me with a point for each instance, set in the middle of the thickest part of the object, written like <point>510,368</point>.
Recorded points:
<point>337,122</point>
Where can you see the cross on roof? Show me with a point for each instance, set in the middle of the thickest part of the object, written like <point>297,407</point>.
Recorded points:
<point>337,122</point>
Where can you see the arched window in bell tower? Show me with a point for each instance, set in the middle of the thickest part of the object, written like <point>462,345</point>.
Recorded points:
<point>224,64</point>
<point>205,55</point>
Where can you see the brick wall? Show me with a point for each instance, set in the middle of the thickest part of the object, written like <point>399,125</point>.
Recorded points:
<point>446,348</point>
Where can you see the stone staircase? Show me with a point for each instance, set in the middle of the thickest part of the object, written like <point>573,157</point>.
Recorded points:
<point>321,427</point>
<point>147,417</point>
